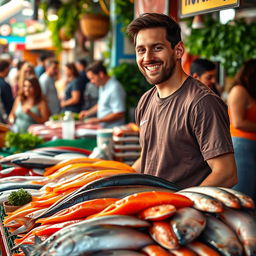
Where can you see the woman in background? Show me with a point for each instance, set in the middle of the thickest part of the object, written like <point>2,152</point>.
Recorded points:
<point>30,107</point>
<point>242,111</point>
<point>73,99</point>
<point>26,70</point>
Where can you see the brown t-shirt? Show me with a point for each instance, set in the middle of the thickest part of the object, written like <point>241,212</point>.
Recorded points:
<point>179,132</point>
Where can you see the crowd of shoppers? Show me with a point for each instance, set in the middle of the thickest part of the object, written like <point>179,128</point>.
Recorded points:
<point>37,98</point>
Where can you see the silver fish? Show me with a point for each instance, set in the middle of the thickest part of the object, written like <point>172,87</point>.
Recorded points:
<point>203,202</point>
<point>202,249</point>
<point>97,238</point>
<point>14,179</point>
<point>244,226</point>
<point>187,224</point>
<point>221,237</point>
<point>225,197</point>
<point>245,200</point>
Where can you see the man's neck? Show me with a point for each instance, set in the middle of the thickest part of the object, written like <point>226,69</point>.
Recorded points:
<point>172,84</point>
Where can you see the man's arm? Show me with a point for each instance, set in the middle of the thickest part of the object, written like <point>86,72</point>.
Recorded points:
<point>108,118</point>
<point>137,165</point>
<point>223,173</point>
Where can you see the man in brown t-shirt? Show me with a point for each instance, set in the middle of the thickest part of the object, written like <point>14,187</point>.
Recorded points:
<point>184,126</point>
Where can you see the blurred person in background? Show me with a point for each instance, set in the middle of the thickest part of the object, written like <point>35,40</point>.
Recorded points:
<point>5,91</point>
<point>47,83</point>
<point>40,67</point>
<point>242,112</point>
<point>90,94</point>
<point>110,108</point>
<point>30,107</point>
<point>205,71</point>
<point>26,70</point>
<point>73,95</point>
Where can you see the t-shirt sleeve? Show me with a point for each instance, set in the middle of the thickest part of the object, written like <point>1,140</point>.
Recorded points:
<point>117,101</point>
<point>43,84</point>
<point>210,124</point>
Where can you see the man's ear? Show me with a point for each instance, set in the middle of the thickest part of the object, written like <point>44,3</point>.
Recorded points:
<point>179,50</point>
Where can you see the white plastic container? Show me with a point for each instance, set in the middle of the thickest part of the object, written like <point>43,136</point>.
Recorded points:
<point>68,126</point>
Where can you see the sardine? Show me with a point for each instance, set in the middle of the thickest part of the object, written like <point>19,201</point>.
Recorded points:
<point>12,186</point>
<point>244,226</point>
<point>245,200</point>
<point>221,237</point>
<point>156,250</point>
<point>35,161</point>
<point>203,202</point>
<point>223,196</point>
<point>187,224</point>
<point>96,238</point>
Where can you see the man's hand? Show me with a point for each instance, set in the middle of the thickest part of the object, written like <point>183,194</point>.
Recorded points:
<point>83,114</point>
<point>93,120</point>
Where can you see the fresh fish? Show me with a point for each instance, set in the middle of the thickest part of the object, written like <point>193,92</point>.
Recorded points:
<point>203,202</point>
<point>119,220</point>
<point>35,161</point>
<point>183,251</point>
<point>132,179</point>
<point>158,212</point>
<point>221,237</point>
<point>8,159</point>
<point>187,224</point>
<point>14,179</point>
<point>163,234</point>
<point>202,249</point>
<point>125,180</point>
<point>156,250</point>
<point>244,226</point>
<point>13,171</point>
<point>117,253</point>
<point>65,156</point>
<point>94,239</point>
<point>109,192</point>
<point>245,200</point>
<point>223,196</point>
<point>62,149</point>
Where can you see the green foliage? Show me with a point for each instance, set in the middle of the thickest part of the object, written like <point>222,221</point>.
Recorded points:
<point>59,117</point>
<point>21,142</point>
<point>19,197</point>
<point>133,82</point>
<point>125,12</point>
<point>231,44</point>
<point>68,18</point>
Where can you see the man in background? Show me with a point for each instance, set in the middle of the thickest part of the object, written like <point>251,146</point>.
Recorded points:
<point>205,71</point>
<point>110,108</point>
<point>47,83</point>
<point>6,97</point>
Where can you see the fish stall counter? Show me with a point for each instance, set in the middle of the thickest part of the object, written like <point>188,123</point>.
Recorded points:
<point>53,130</point>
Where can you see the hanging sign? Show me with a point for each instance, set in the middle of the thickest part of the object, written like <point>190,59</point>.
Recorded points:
<point>195,7</point>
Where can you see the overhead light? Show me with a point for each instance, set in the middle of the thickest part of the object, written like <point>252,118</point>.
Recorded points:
<point>227,15</point>
<point>198,22</point>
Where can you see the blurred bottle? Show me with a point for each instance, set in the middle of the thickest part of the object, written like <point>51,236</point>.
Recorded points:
<point>68,126</point>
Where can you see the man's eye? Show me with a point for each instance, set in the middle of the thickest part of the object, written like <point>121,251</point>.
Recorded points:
<point>158,48</point>
<point>140,50</point>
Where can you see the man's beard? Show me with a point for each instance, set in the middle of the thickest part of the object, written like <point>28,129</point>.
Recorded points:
<point>164,76</point>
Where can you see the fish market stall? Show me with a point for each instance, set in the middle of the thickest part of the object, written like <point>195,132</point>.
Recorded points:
<point>89,206</point>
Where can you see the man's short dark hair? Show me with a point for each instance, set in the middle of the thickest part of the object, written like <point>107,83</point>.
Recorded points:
<point>4,64</point>
<point>83,62</point>
<point>51,62</point>
<point>96,67</point>
<point>155,20</point>
<point>200,66</point>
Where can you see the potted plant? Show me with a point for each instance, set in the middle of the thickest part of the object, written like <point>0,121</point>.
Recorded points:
<point>231,44</point>
<point>16,199</point>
